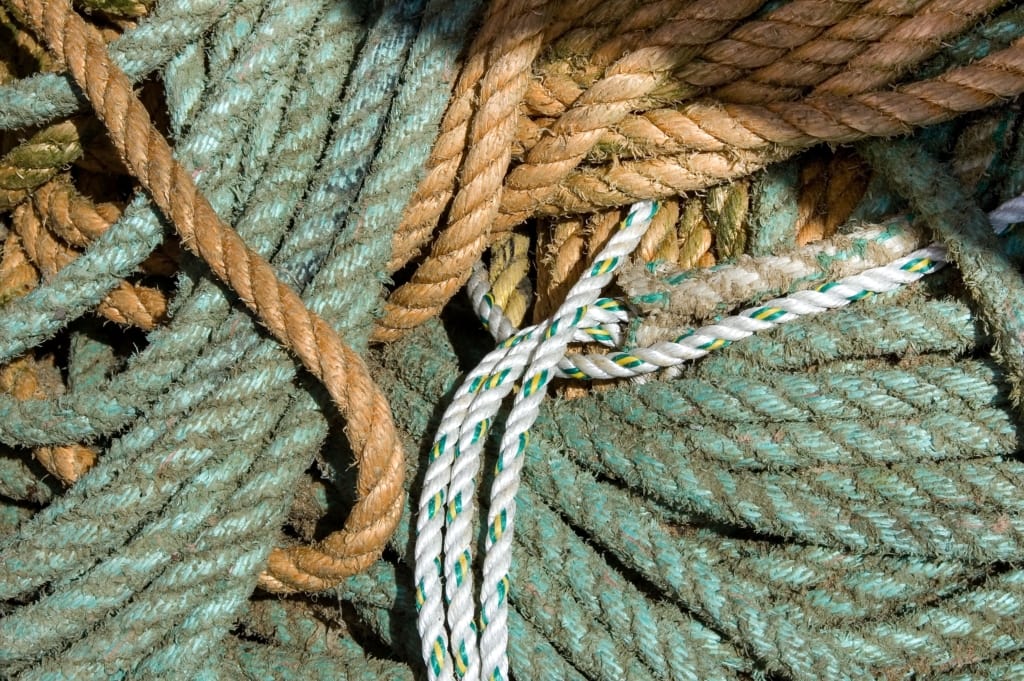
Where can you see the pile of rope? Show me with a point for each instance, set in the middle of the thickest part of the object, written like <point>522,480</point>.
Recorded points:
<point>196,194</point>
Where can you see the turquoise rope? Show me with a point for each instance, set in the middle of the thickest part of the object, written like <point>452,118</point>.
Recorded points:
<point>201,383</point>
<point>171,26</point>
<point>90,360</point>
<point>184,79</point>
<point>245,660</point>
<point>989,276</point>
<point>170,651</point>
<point>774,209</point>
<point>23,481</point>
<point>243,591</point>
<point>83,415</point>
<point>700,574</point>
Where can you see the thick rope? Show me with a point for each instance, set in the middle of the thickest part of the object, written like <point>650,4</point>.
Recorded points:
<point>343,372</point>
<point>172,25</point>
<point>488,155</point>
<point>863,52</point>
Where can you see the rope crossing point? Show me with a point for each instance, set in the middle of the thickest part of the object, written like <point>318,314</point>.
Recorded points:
<point>456,639</point>
<point>444,559</point>
<point>696,343</point>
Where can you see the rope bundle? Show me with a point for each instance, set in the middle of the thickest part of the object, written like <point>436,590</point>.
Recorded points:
<point>846,486</point>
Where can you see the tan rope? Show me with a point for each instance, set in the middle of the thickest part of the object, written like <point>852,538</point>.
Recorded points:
<point>29,378</point>
<point>659,241</point>
<point>18,275</point>
<point>603,38</point>
<point>560,249</point>
<point>623,86</point>
<point>735,140</point>
<point>71,216</point>
<point>727,209</point>
<point>434,192</point>
<point>754,43</point>
<point>509,275</point>
<point>865,51</point>
<point>488,153</point>
<point>37,160</point>
<point>381,466</point>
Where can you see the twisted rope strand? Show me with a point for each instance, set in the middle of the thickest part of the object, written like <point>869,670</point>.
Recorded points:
<point>487,158</point>
<point>863,52</point>
<point>604,104</point>
<point>173,24</point>
<point>369,422</point>
<point>434,192</point>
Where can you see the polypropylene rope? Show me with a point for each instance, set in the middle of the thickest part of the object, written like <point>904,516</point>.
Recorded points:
<point>447,498</point>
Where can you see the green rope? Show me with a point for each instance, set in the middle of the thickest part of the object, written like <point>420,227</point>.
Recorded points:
<point>173,24</point>
<point>962,227</point>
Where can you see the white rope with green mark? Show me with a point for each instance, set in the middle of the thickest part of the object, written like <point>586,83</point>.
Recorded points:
<point>446,602</point>
<point>694,344</point>
<point>445,597</point>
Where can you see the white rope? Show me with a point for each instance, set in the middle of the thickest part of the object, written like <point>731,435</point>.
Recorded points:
<point>444,562</point>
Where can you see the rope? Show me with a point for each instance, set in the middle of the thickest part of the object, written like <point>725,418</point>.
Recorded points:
<point>454,463</point>
<point>316,343</point>
<point>672,298</point>
<point>36,100</point>
<point>487,157</point>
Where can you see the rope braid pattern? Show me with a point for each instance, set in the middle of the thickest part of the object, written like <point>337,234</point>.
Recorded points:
<point>663,641</point>
<point>215,615</point>
<point>37,100</point>
<point>576,430</point>
<point>864,51</point>
<point>673,299</point>
<point>317,345</point>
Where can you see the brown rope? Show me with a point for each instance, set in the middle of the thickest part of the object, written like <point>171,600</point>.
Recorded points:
<point>623,86</point>
<point>29,378</point>
<point>436,189</point>
<point>865,51</point>
<point>18,275</point>
<point>37,160</point>
<point>381,466</point>
<point>71,216</point>
<point>560,248</point>
<point>603,38</point>
<point>754,43</point>
<point>487,157</point>
<point>733,140</point>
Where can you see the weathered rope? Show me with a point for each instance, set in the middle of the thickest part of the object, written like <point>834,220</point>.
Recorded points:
<point>316,343</point>
<point>488,154</point>
<point>172,25</point>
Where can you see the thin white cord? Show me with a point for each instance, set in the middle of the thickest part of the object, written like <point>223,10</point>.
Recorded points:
<point>443,556</point>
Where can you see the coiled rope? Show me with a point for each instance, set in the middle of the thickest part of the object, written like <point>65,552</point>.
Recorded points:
<point>889,493</point>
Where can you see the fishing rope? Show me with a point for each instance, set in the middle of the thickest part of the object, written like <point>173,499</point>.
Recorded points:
<point>847,485</point>
<point>446,503</point>
<point>215,616</point>
<point>465,417</point>
<point>279,307</point>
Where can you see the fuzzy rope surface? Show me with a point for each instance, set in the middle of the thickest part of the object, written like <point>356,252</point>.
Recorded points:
<point>343,372</point>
